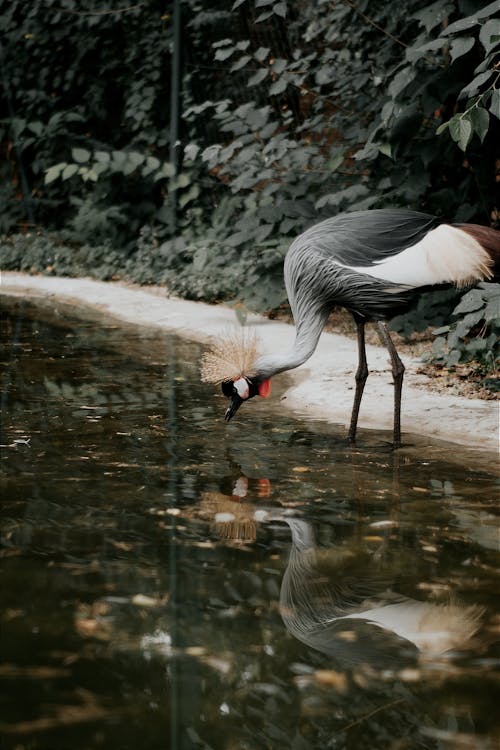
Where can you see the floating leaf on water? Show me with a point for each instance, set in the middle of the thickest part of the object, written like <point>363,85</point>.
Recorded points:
<point>142,600</point>
<point>383,524</point>
<point>332,679</point>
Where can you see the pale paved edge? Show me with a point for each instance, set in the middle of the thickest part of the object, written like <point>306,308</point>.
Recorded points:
<point>322,388</point>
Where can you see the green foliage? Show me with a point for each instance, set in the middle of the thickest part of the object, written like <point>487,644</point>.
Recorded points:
<point>481,92</point>
<point>314,108</point>
<point>432,309</point>
<point>475,336</point>
<point>71,78</point>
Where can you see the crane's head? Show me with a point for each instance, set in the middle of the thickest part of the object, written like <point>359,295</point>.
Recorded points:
<point>242,389</point>
<point>231,361</point>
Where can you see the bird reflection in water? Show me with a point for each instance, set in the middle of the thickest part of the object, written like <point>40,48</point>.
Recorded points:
<point>232,517</point>
<point>333,601</point>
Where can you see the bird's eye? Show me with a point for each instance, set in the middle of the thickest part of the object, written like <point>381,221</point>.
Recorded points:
<point>227,388</point>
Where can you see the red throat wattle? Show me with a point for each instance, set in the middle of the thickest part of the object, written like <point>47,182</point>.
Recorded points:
<point>265,388</point>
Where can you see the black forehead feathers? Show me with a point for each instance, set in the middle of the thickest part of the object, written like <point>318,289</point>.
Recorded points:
<point>227,388</point>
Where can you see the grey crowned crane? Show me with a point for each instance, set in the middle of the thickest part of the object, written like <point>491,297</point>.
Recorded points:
<point>372,263</point>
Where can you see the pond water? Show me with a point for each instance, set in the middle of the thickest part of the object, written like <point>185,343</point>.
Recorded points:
<point>170,581</point>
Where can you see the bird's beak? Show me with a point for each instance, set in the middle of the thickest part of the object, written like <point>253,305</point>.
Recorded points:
<point>233,407</point>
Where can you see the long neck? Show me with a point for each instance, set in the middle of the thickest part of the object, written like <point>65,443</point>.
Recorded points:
<point>306,340</point>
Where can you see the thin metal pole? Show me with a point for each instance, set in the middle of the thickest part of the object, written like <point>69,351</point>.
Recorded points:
<point>171,425</point>
<point>175,86</point>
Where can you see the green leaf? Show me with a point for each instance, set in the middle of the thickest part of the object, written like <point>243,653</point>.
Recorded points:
<point>444,126</point>
<point>480,119</point>
<point>35,127</point>
<point>264,16</point>
<point>280,9</point>
<point>191,151</point>
<point>135,158</point>
<point>335,162</point>
<point>490,31</point>
<point>369,151</point>
<point>152,164</point>
<point>240,63</point>
<point>87,174</point>
<point>460,46</point>
<point>102,156</point>
<point>211,153</point>
<point>461,130</point>
<point>401,80</point>
<point>434,14</point>
<point>183,180</point>
<point>167,170</point>
<point>471,301</point>
<point>472,20</point>
<point>223,43</point>
<point>279,65</point>
<point>261,53</point>
<point>118,161</point>
<point>473,87</point>
<point>462,24</point>
<point>416,53</point>
<point>54,172</point>
<point>257,118</point>
<point>99,167</point>
<point>80,155</point>
<point>237,4</point>
<point>495,103</point>
<point>164,214</point>
<point>278,87</point>
<point>224,53</point>
<point>189,196</point>
<point>258,77</point>
<point>492,311</point>
<point>470,320</point>
<point>453,358</point>
<point>69,171</point>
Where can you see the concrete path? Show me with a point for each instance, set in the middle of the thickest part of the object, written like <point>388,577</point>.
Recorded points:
<point>321,389</point>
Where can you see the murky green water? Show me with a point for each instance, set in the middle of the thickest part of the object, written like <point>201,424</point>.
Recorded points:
<point>169,581</point>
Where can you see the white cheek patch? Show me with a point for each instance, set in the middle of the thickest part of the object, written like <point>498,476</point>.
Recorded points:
<point>242,388</point>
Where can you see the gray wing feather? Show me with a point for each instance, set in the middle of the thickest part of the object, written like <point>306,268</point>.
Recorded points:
<point>315,275</point>
<point>362,238</point>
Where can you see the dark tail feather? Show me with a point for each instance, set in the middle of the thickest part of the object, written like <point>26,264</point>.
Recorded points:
<point>488,238</point>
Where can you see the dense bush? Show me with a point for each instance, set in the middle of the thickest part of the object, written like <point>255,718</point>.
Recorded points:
<point>291,111</point>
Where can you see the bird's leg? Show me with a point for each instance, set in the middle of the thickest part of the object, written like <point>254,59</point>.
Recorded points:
<point>398,369</point>
<point>360,378</point>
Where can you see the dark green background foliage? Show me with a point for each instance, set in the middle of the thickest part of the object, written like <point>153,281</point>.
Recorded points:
<point>290,112</point>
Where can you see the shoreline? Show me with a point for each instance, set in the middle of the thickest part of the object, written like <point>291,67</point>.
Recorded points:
<point>321,389</point>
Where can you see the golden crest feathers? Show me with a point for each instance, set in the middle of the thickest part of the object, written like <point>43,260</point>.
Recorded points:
<point>230,357</point>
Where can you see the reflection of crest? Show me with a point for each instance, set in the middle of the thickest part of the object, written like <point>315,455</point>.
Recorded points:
<point>332,601</point>
<point>232,517</point>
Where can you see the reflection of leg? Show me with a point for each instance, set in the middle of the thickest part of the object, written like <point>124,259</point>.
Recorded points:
<point>398,369</point>
<point>396,487</point>
<point>360,378</point>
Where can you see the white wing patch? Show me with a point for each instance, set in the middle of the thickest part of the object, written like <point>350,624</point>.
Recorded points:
<point>445,255</point>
